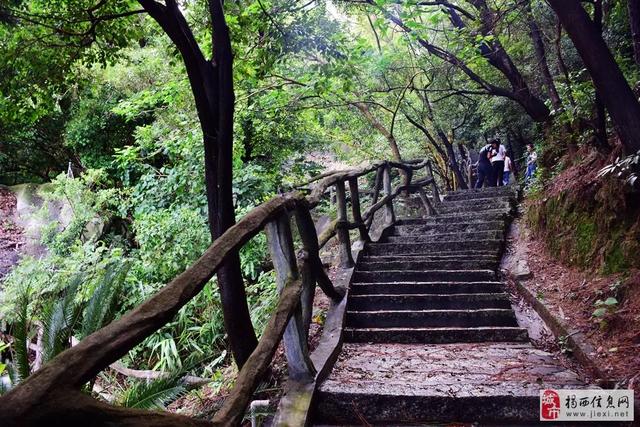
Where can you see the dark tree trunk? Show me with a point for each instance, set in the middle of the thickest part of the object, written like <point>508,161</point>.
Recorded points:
<point>212,86</point>
<point>634,22</point>
<point>609,81</point>
<point>455,167</point>
<point>562,66</point>
<point>541,58</point>
<point>600,119</point>
<point>237,319</point>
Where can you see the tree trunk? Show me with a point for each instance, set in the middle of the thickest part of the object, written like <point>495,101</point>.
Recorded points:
<point>634,22</point>
<point>212,86</point>
<point>237,320</point>
<point>455,167</point>
<point>600,119</point>
<point>541,59</point>
<point>393,144</point>
<point>562,66</point>
<point>609,81</point>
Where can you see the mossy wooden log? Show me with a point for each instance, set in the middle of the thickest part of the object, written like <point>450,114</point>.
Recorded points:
<point>436,193</point>
<point>356,210</point>
<point>389,215</point>
<point>232,412</point>
<point>377,187</point>
<point>284,260</point>
<point>310,241</point>
<point>344,249</point>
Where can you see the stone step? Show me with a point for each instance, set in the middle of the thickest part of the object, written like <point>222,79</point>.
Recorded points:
<point>431,318</point>
<point>399,384</point>
<point>463,200</point>
<point>378,302</point>
<point>449,256</point>
<point>426,288</point>
<point>456,227</point>
<point>436,335</point>
<point>463,216</point>
<point>427,264</point>
<point>488,192</point>
<point>476,207</point>
<point>490,247</point>
<point>423,276</point>
<point>444,237</point>
<point>482,203</point>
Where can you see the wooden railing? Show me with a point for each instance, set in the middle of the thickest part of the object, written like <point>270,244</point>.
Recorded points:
<point>53,394</point>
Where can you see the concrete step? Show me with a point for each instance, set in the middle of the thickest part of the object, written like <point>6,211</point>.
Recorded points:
<point>456,227</point>
<point>427,264</point>
<point>490,247</point>
<point>463,216</point>
<point>399,384</point>
<point>378,302</point>
<point>396,288</point>
<point>436,335</point>
<point>431,318</point>
<point>423,276</point>
<point>445,237</point>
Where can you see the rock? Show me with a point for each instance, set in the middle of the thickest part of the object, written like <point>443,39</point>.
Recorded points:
<point>521,271</point>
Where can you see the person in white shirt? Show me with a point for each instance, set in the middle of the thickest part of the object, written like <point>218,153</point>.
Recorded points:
<point>497,161</point>
<point>532,160</point>
<point>508,168</point>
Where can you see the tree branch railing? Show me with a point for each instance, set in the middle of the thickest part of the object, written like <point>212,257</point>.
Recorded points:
<point>53,393</point>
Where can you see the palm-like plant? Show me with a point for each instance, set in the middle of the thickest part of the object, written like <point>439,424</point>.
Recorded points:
<point>156,394</point>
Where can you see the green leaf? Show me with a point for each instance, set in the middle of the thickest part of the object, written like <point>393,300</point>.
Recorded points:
<point>599,312</point>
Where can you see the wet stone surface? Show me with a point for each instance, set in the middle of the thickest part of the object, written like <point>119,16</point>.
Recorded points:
<point>453,370</point>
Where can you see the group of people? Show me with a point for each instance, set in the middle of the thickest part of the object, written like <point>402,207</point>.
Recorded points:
<point>495,165</point>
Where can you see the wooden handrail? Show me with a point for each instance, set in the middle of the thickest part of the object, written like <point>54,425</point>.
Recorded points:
<point>42,397</point>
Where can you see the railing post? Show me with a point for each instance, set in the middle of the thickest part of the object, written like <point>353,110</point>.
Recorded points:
<point>376,192</point>
<point>355,209</point>
<point>285,264</point>
<point>436,194</point>
<point>346,260</point>
<point>425,202</point>
<point>390,217</point>
<point>310,241</point>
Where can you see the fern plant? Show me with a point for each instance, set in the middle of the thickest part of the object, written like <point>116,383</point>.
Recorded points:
<point>101,307</point>
<point>21,368</point>
<point>156,394</point>
<point>58,320</point>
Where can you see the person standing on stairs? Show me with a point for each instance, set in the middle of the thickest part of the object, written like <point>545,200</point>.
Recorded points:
<point>498,153</point>
<point>508,167</point>
<point>485,172</point>
<point>532,160</point>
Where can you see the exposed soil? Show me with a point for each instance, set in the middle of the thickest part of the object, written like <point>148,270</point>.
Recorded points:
<point>571,294</point>
<point>11,235</point>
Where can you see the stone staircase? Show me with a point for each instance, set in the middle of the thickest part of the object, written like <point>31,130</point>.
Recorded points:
<point>430,334</point>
